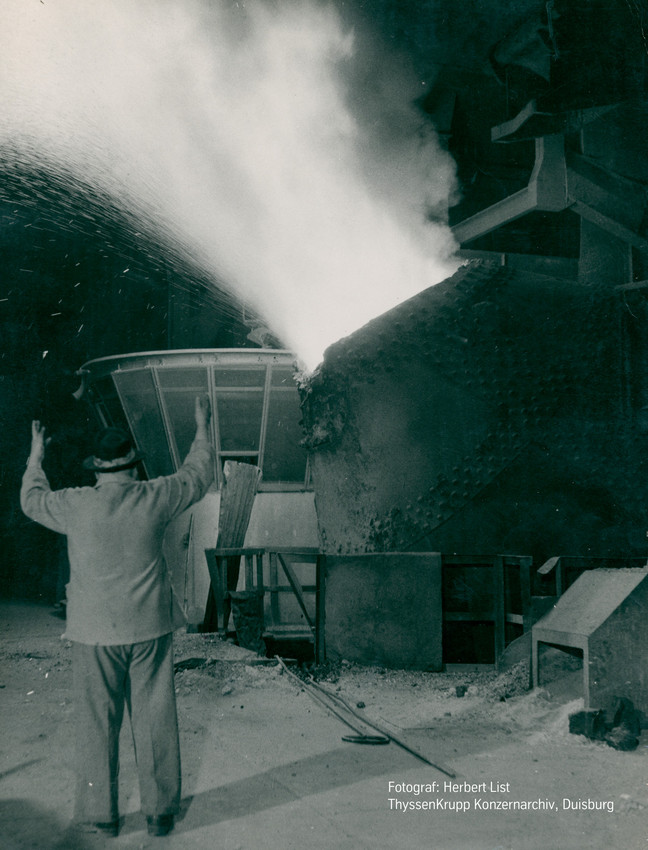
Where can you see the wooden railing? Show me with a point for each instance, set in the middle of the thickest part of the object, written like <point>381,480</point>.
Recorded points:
<point>264,572</point>
<point>492,591</point>
<point>565,569</point>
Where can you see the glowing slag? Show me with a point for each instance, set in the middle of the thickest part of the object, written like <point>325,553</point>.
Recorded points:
<point>237,133</point>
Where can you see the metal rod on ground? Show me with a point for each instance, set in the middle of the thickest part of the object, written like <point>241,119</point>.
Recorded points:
<point>447,771</point>
<point>330,708</point>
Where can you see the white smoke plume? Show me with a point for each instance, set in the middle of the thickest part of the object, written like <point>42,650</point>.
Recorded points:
<point>236,129</point>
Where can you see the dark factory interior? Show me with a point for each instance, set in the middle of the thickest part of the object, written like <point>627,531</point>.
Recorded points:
<point>500,411</point>
<point>462,477</point>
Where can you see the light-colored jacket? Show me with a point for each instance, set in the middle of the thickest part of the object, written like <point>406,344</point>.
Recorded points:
<point>119,590</point>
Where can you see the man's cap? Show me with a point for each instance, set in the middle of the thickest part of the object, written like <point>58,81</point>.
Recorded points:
<point>113,451</point>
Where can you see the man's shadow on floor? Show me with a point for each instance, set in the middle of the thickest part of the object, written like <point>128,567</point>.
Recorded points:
<point>27,825</point>
<point>286,783</point>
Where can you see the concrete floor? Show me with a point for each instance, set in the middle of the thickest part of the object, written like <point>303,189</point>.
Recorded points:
<point>265,767</point>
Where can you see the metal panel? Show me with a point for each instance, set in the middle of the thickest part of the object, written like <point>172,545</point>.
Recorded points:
<point>253,407</point>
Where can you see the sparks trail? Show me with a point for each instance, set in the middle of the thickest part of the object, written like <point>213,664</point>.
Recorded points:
<point>248,137</point>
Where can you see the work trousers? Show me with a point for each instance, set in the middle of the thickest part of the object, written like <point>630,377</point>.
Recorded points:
<point>106,678</point>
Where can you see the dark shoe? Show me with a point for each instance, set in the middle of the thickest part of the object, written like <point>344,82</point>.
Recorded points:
<point>60,610</point>
<point>108,828</point>
<point>160,825</point>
